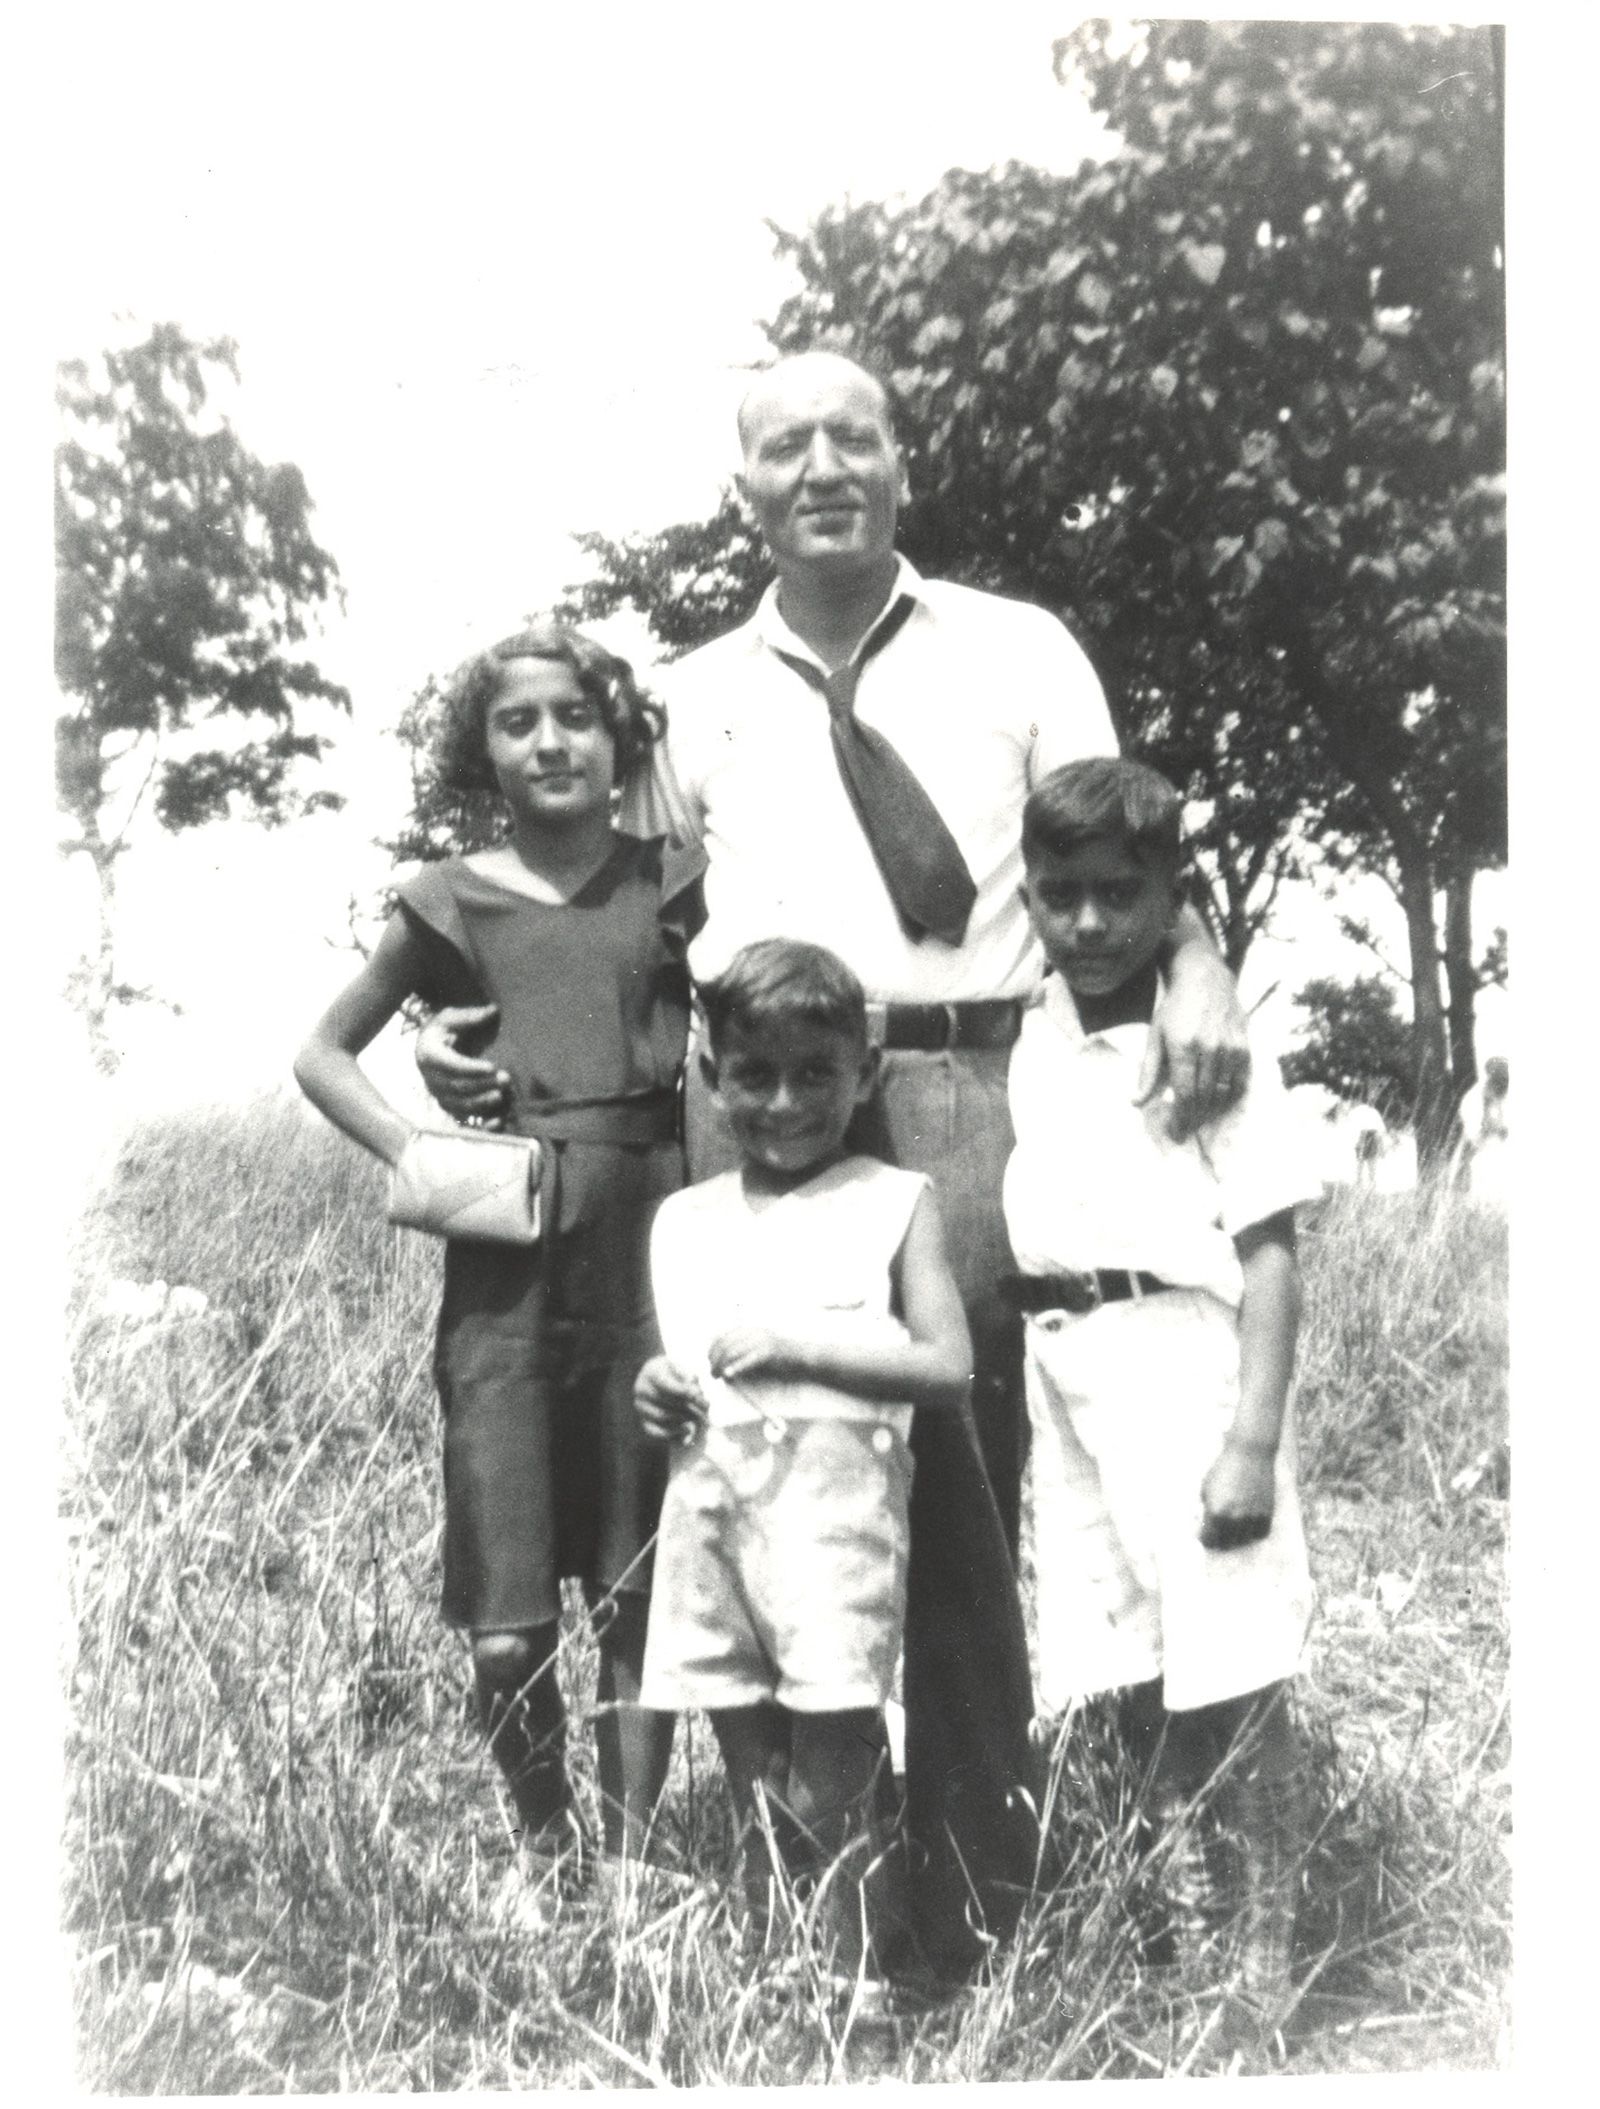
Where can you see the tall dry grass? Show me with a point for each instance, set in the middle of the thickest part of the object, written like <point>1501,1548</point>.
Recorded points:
<point>283,1844</point>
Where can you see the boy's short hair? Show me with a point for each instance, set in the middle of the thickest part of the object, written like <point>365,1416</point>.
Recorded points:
<point>1107,798</point>
<point>460,746</point>
<point>782,979</point>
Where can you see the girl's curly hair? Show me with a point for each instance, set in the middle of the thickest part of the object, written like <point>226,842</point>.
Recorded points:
<point>460,748</point>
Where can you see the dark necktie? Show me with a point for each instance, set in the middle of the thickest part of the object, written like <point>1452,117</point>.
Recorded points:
<point>921,862</point>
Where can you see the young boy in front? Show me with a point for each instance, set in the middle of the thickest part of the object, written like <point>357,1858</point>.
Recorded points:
<point>806,1307</point>
<point>1162,1293</point>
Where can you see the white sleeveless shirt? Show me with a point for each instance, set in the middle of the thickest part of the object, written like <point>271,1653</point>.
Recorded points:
<point>814,1263</point>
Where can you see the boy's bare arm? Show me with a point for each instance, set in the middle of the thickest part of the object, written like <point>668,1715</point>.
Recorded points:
<point>932,1368</point>
<point>326,1068</point>
<point>1238,1490</point>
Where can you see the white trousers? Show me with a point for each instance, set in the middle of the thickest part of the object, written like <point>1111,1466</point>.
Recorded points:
<point>1130,1405</point>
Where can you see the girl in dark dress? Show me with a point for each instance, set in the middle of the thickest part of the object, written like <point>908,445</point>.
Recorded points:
<point>572,937</point>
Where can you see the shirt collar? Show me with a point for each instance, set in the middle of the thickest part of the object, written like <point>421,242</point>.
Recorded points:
<point>771,630</point>
<point>1063,1014</point>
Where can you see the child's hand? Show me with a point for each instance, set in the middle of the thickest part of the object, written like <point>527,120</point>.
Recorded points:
<point>668,1401</point>
<point>752,1350</point>
<point>1238,1494</point>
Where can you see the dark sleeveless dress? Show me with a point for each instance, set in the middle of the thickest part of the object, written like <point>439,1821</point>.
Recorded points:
<point>545,1471</point>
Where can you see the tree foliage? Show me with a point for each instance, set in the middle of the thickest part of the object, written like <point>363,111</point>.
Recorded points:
<point>1355,1044</point>
<point>1231,401</point>
<point>693,580</point>
<point>186,574</point>
<point>443,821</point>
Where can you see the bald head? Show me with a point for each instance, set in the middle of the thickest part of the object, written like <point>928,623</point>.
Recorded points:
<point>822,476</point>
<point>802,373</point>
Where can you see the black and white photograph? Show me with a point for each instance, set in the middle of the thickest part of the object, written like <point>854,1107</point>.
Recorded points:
<point>679,634</point>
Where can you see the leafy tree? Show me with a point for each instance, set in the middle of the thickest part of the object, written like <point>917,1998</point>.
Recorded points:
<point>1356,1044</point>
<point>443,822</point>
<point>1231,401</point>
<point>186,570</point>
<point>693,580</point>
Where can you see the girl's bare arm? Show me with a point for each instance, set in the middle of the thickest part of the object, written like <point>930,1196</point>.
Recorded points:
<point>326,1068</point>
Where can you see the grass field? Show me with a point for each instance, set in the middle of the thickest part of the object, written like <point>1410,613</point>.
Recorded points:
<point>283,1844</point>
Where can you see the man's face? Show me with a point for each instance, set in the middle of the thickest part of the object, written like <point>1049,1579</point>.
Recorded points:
<point>1099,913</point>
<point>788,1088</point>
<point>822,474</point>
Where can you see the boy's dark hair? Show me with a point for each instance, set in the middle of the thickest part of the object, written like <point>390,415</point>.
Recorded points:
<point>1106,799</point>
<point>460,748</point>
<point>781,979</point>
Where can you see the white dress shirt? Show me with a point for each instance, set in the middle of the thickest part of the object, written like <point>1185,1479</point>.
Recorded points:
<point>981,696</point>
<point>1096,1181</point>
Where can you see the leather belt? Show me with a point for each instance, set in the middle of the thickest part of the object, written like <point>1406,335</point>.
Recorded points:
<point>1077,1293</point>
<point>931,1028</point>
<point>634,1121</point>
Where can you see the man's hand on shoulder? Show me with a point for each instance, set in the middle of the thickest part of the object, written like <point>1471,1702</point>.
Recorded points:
<point>1199,1046</point>
<point>467,1088</point>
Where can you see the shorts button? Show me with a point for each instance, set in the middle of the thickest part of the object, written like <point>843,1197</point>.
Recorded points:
<point>882,1441</point>
<point>774,1431</point>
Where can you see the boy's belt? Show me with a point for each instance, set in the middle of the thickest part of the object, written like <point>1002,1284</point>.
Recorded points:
<point>1077,1293</point>
<point>930,1028</point>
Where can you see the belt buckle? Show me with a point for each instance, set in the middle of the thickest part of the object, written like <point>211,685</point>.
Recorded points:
<point>952,1029</point>
<point>1085,1293</point>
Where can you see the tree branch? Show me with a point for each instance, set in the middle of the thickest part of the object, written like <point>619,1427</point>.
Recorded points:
<point>1352,927</point>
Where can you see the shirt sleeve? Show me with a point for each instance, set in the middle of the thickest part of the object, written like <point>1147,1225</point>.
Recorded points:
<point>445,971</point>
<point>1068,712</point>
<point>1023,1086</point>
<point>1262,1152</point>
<point>677,779</point>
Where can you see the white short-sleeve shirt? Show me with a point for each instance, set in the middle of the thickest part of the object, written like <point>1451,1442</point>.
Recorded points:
<point>1096,1181</point>
<point>981,696</point>
<point>816,1262</point>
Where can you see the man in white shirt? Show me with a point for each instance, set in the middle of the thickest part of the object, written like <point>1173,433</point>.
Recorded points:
<point>979,698</point>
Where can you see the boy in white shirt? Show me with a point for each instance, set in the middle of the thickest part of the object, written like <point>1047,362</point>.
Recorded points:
<point>806,1307</point>
<point>1163,1295</point>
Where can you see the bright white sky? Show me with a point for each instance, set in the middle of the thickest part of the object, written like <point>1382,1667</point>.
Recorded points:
<point>495,276</point>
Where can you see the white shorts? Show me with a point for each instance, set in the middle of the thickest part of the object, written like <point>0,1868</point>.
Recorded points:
<point>1130,1405</point>
<point>780,1569</point>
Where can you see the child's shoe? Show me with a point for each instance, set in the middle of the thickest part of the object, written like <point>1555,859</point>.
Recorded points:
<point>865,2020</point>
<point>1267,1823</point>
<point>558,1859</point>
<point>1187,1868</point>
<point>639,1890</point>
<point>518,1905</point>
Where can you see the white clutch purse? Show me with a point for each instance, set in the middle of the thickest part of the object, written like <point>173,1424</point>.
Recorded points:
<point>468,1184</point>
